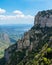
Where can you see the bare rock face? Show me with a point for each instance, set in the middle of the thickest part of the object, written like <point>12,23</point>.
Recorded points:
<point>24,42</point>
<point>44,18</point>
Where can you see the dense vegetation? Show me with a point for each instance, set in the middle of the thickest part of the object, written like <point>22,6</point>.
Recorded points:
<point>44,57</point>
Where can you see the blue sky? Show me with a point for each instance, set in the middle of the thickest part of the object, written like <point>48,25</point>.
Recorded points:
<point>21,11</point>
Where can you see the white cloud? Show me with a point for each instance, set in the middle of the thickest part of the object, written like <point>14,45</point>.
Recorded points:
<point>18,18</point>
<point>2,11</point>
<point>17,12</point>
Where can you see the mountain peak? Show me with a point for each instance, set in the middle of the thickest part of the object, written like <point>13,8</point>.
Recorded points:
<point>43,18</point>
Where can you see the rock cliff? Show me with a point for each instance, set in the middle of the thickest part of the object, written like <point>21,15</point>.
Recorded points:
<point>44,18</point>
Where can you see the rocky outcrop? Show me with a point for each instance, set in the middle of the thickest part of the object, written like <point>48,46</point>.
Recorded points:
<point>44,18</point>
<point>24,42</point>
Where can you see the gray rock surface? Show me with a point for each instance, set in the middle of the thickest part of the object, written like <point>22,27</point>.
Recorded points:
<point>44,18</point>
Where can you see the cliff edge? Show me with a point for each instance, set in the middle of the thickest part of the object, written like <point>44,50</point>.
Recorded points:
<point>44,18</point>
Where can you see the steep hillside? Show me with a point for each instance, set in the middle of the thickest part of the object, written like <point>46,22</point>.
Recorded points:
<point>34,54</point>
<point>35,47</point>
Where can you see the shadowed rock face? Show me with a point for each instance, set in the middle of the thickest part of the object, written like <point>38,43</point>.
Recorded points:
<point>44,18</point>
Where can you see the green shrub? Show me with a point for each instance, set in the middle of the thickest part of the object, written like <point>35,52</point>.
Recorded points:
<point>49,50</point>
<point>46,61</point>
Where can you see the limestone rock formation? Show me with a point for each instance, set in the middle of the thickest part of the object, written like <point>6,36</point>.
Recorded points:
<point>44,18</point>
